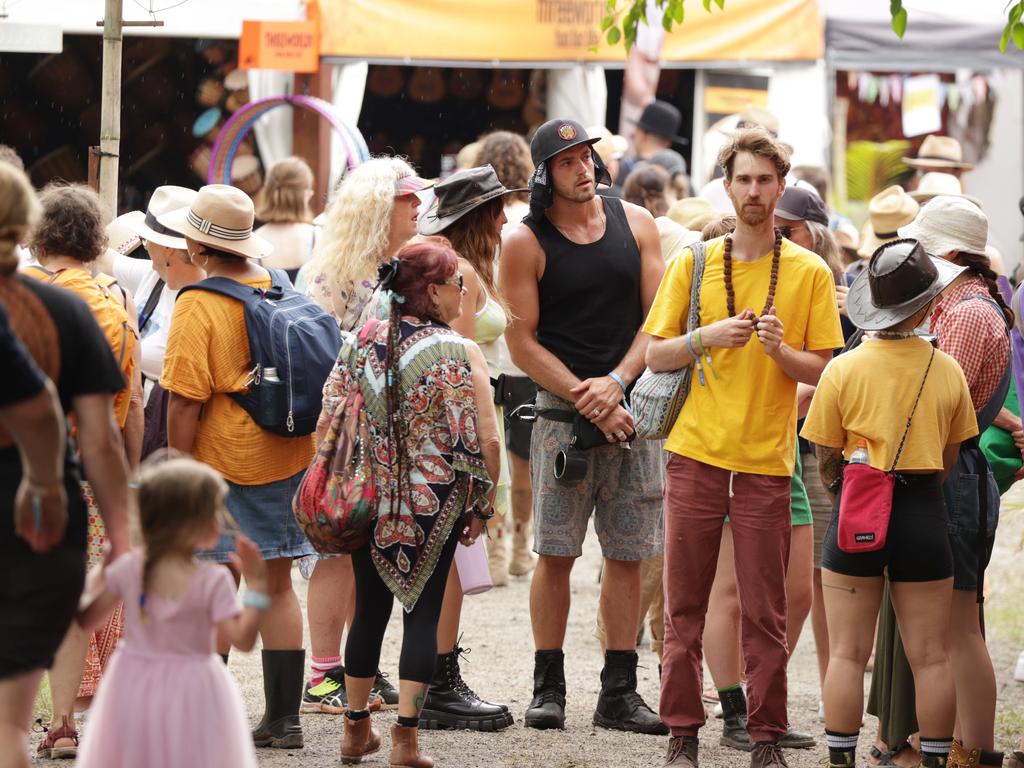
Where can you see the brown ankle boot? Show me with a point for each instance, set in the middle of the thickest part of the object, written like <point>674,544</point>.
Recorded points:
<point>497,557</point>
<point>975,758</point>
<point>360,739</point>
<point>405,752</point>
<point>523,560</point>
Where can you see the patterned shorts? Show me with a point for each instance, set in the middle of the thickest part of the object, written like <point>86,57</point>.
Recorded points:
<point>623,488</point>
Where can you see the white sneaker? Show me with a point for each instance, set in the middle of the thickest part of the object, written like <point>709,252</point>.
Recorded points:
<point>717,711</point>
<point>1018,673</point>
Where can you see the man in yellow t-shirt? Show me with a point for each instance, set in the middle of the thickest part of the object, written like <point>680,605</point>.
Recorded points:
<point>768,320</point>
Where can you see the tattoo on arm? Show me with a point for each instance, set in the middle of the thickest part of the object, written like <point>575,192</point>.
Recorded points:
<point>830,464</point>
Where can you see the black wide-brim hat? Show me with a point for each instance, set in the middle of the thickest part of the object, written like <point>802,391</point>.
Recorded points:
<point>899,280</point>
<point>459,194</point>
<point>662,119</point>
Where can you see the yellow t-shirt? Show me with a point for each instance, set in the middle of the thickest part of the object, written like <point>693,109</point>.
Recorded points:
<point>745,419</point>
<point>207,357</point>
<point>867,393</point>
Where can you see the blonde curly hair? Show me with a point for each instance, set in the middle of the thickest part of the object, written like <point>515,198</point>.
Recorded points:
<point>358,221</point>
<point>19,211</point>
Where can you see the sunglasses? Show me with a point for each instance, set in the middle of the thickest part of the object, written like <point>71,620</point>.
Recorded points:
<point>456,280</point>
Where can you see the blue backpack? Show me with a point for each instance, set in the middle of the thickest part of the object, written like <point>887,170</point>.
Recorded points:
<point>292,334</point>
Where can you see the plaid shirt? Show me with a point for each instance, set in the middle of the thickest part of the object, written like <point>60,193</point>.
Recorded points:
<point>974,333</point>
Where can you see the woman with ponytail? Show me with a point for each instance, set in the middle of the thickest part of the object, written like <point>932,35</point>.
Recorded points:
<point>650,187</point>
<point>435,454</point>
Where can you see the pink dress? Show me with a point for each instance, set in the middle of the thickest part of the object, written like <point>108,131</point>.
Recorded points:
<point>166,699</point>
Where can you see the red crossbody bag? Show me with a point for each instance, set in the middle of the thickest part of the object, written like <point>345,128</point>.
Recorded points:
<point>865,505</point>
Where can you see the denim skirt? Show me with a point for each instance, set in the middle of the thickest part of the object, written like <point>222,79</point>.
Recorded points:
<point>264,514</point>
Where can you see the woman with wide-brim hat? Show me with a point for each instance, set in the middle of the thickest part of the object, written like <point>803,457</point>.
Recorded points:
<point>207,360</point>
<point>470,212</point>
<point>902,407</point>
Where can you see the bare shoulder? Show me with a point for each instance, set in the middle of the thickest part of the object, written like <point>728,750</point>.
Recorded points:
<point>475,355</point>
<point>640,219</point>
<point>520,243</point>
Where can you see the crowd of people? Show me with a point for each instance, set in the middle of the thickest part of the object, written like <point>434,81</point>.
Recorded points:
<point>463,355</point>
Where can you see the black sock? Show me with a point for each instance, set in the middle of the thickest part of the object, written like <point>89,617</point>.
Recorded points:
<point>842,747</point>
<point>408,722</point>
<point>357,714</point>
<point>734,701</point>
<point>224,658</point>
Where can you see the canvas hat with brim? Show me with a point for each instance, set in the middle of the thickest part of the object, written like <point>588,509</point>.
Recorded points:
<point>459,194</point>
<point>121,238</point>
<point>164,200</point>
<point>674,237</point>
<point>949,223</point>
<point>938,152</point>
<point>899,280</point>
<point>220,217</point>
<point>889,210</point>
<point>662,119</point>
<point>692,212</point>
<point>934,183</point>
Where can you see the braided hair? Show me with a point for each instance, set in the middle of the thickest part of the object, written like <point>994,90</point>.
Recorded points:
<point>979,264</point>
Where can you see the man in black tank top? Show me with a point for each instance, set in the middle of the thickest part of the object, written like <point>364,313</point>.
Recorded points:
<point>580,273</point>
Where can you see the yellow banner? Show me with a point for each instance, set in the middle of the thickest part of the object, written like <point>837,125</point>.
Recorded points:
<point>558,31</point>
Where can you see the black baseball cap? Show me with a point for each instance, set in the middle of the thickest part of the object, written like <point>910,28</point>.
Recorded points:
<point>799,204</point>
<point>557,136</point>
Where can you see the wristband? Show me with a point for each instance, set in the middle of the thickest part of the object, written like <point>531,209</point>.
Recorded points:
<point>257,600</point>
<point>618,380</point>
<point>700,342</point>
<point>479,514</point>
<point>689,346</point>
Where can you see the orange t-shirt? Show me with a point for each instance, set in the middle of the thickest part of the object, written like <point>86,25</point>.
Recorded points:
<point>208,357</point>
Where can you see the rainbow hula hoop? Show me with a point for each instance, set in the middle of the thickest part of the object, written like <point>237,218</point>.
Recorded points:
<point>222,157</point>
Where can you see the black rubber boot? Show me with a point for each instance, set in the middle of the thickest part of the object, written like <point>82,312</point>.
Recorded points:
<point>547,709</point>
<point>734,720</point>
<point>282,689</point>
<point>619,706</point>
<point>451,704</point>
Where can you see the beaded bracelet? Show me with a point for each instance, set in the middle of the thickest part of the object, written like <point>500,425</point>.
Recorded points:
<point>257,600</point>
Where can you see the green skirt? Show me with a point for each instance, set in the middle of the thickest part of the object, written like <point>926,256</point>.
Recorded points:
<point>892,698</point>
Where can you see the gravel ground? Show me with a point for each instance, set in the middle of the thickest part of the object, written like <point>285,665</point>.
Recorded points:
<point>496,627</point>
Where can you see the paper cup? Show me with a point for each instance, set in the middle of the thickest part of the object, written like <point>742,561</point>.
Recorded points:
<point>472,564</point>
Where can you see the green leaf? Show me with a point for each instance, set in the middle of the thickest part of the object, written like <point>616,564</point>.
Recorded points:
<point>899,23</point>
<point>614,35</point>
<point>720,4</point>
<point>1004,39</point>
<point>678,12</point>
<point>1018,35</point>
<point>666,21</point>
<point>606,22</point>
<point>1015,13</point>
<point>895,6</point>
<point>707,5</point>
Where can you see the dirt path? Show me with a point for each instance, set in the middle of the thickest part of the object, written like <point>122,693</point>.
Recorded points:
<point>496,627</point>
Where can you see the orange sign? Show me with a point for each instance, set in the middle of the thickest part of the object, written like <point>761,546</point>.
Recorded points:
<point>292,46</point>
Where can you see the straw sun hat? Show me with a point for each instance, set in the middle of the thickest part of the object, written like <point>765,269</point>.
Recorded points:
<point>935,183</point>
<point>938,152</point>
<point>164,200</point>
<point>221,217</point>
<point>889,210</point>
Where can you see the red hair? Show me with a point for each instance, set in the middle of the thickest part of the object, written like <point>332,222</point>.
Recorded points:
<point>431,261</point>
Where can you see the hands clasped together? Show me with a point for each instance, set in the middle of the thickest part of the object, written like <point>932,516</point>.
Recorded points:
<point>600,400</point>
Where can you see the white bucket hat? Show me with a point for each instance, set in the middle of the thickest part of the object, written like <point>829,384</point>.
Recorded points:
<point>947,223</point>
<point>147,225</point>
<point>221,217</point>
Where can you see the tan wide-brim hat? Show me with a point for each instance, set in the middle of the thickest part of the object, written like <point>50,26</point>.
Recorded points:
<point>221,217</point>
<point>889,210</point>
<point>694,213</point>
<point>164,200</point>
<point>121,238</point>
<point>939,152</point>
<point>934,183</point>
<point>674,237</point>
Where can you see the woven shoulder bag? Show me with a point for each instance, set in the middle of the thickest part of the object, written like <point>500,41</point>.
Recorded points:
<point>658,398</point>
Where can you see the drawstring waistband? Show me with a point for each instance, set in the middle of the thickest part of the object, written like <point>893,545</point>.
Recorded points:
<point>732,476</point>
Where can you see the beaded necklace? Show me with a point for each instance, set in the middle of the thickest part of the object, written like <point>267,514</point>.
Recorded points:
<point>730,294</point>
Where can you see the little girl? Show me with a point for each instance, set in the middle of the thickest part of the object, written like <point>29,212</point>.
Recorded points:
<point>167,700</point>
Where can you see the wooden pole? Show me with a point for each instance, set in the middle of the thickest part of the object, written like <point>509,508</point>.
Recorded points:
<point>110,105</point>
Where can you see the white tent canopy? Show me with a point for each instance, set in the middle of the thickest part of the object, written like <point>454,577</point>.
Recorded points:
<point>942,35</point>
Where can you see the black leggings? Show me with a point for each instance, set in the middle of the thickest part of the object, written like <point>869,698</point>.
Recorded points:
<point>373,611</point>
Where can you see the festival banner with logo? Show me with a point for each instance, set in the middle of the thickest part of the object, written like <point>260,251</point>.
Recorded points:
<point>406,31</point>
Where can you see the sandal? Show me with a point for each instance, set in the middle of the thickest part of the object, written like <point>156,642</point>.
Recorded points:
<point>886,758</point>
<point>48,749</point>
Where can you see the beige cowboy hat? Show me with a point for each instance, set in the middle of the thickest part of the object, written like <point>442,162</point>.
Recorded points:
<point>889,210</point>
<point>938,152</point>
<point>164,200</point>
<point>221,217</point>
<point>692,212</point>
<point>934,183</point>
<point>674,237</point>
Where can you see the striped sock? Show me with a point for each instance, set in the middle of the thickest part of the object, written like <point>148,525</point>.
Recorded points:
<point>934,752</point>
<point>842,747</point>
<point>320,665</point>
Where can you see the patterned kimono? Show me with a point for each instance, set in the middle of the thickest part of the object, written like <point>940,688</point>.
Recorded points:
<point>443,470</point>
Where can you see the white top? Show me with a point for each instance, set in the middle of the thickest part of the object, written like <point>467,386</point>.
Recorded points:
<point>139,277</point>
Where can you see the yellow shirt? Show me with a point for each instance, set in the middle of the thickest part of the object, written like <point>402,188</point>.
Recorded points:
<point>745,419</point>
<point>867,395</point>
<point>208,357</point>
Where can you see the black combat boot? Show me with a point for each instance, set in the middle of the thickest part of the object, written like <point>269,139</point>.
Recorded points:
<point>547,709</point>
<point>452,704</point>
<point>619,706</point>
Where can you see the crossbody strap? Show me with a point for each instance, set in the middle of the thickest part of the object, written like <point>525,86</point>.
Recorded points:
<point>699,259</point>
<point>906,431</point>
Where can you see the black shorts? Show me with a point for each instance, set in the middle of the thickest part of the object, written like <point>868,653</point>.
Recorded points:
<point>514,391</point>
<point>39,596</point>
<point>917,543</point>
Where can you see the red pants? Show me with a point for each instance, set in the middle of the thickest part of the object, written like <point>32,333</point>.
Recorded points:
<point>697,499</point>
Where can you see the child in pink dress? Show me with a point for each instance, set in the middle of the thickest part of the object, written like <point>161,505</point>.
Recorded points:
<point>166,699</point>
